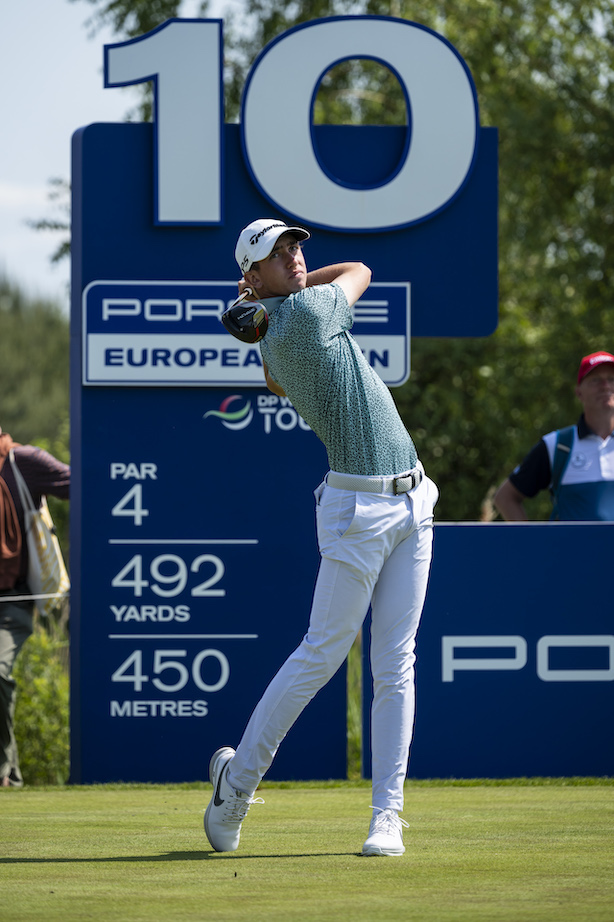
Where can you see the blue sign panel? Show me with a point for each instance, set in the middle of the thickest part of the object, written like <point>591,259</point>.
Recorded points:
<point>515,659</point>
<point>194,577</point>
<point>193,554</point>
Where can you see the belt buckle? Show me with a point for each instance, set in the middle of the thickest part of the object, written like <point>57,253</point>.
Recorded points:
<point>412,477</point>
<point>395,482</point>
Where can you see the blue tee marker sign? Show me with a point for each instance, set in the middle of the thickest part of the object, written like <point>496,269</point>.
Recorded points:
<point>193,551</point>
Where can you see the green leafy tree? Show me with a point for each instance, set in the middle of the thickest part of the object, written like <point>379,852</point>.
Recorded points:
<point>59,198</point>
<point>41,711</point>
<point>34,342</point>
<point>130,18</point>
<point>34,378</point>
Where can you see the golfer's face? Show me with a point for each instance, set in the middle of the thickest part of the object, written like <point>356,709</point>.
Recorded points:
<point>283,271</point>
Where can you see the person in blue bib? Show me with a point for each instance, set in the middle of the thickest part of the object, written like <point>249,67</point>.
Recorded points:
<point>576,463</point>
<point>374,515</point>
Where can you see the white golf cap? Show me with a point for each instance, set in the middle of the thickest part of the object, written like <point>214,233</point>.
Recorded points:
<point>258,239</point>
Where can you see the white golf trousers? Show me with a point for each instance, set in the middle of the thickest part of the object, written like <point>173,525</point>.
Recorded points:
<point>376,550</point>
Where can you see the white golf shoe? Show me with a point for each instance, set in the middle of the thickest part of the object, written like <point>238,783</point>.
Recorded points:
<point>385,834</point>
<point>228,807</point>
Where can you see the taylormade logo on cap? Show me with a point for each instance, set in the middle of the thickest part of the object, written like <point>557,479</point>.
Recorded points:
<point>258,239</point>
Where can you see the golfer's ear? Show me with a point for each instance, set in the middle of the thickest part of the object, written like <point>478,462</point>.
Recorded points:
<point>253,279</point>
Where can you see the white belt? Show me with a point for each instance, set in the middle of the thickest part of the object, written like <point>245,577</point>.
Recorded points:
<point>402,483</point>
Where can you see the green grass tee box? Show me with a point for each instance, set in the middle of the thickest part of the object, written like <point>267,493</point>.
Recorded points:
<point>522,850</point>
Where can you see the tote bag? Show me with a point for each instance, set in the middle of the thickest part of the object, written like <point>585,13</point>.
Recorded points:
<point>47,576</point>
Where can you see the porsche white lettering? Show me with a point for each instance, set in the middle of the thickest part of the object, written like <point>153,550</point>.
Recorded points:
<point>512,654</point>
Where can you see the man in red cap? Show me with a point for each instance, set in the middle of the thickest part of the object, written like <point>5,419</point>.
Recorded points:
<point>577,463</point>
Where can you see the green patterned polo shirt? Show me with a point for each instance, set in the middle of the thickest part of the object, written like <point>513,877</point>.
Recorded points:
<point>311,353</point>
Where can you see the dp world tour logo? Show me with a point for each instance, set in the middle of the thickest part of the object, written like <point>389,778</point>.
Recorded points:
<point>233,419</point>
<point>277,414</point>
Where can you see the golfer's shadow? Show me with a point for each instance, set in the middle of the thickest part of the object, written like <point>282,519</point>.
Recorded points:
<point>220,856</point>
<point>176,856</point>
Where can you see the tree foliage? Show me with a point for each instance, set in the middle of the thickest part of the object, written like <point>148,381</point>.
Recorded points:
<point>59,197</point>
<point>543,71</point>
<point>34,378</point>
<point>34,340</point>
<point>41,711</point>
<point>130,18</point>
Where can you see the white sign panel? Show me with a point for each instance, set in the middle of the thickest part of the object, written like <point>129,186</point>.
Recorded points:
<point>152,333</point>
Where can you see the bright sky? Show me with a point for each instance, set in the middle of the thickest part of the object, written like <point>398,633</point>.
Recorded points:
<point>51,83</point>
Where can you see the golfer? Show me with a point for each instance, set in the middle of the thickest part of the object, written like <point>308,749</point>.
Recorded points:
<point>374,523</point>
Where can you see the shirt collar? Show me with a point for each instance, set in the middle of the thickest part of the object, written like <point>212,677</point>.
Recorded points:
<point>272,304</point>
<point>584,429</point>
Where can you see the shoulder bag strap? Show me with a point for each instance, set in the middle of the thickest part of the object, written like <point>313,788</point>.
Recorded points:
<point>562,452</point>
<point>24,494</point>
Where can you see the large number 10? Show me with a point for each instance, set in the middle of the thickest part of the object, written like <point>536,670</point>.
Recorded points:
<point>183,58</point>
